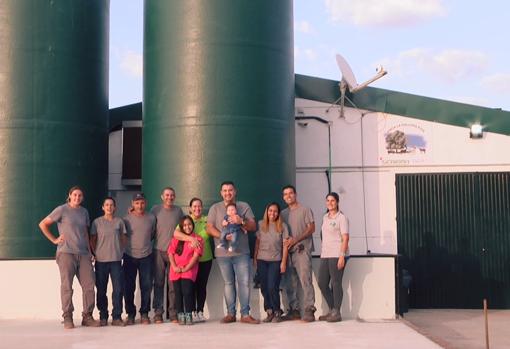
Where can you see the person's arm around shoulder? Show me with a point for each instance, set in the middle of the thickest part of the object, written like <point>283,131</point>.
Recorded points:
<point>179,235</point>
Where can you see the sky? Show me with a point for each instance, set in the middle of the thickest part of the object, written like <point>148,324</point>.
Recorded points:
<point>453,50</point>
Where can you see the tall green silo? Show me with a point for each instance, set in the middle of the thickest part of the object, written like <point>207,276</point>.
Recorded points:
<point>53,114</point>
<point>218,98</point>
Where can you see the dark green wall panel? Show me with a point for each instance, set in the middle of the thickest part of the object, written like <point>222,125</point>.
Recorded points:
<point>454,237</point>
<point>53,114</point>
<point>218,98</point>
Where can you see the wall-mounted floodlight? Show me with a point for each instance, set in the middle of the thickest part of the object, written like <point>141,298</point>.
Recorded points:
<point>476,131</point>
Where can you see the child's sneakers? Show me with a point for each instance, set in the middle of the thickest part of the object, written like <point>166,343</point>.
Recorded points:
<point>181,318</point>
<point>188,318</point>
<point>230,249</point>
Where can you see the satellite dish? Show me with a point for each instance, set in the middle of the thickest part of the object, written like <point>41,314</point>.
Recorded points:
<point>349,80</point>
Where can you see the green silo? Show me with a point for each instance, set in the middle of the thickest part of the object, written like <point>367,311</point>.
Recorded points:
<point>218,99</point>
<point>53,114</point>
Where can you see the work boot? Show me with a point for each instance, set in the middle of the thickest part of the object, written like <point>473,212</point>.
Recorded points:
<point>130,321</point>
<point>334,316</point>
<point>292,314</point>
<point>118,322</point>
<point>277,316</point>
<point>158,319</point>
<point>309,314</point>
<point>103,322</point>
<point>270,316</point>
<point>68,322</point>
<point>145,319</point>
<point>88,321</point>
<point>324,317</point>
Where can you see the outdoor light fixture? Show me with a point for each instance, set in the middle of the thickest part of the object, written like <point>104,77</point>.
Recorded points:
<point>476,131</point>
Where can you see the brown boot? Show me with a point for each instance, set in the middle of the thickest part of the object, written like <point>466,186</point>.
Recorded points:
<point>88,321</point>
<point>68,322</point>
<point>309,314</point>
<point>118,322</point>
<point>324,317</point>
<point>270,316</point>
<point>334,316</point>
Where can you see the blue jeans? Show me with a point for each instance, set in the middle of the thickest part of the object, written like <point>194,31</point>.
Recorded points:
<point>144,268</point>
<point>269,274</point>
<point>236,268</point>
<point>114,270</point>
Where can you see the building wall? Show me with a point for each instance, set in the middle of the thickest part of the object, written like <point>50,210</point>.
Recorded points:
<point>363,172</point>
<point>362,278</point>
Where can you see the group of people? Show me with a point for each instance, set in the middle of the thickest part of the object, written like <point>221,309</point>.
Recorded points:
<point>165,244</point>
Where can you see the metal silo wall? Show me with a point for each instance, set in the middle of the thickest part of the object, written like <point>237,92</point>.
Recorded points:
<point>53,114</point>
<point>218,99</point>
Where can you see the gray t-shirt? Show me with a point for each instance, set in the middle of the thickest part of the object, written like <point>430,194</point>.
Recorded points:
<point>216,215</point>
<point>140,231</point>
<point>297,219</point>
<point>271,242</point>
<point>167,219</point>
<point>73,223</point>
<point>109,232</point>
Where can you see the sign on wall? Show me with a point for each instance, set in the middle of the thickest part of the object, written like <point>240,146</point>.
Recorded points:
<point>404,143</point>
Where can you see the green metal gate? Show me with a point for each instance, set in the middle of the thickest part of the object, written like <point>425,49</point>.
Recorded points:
<point>454,238</point>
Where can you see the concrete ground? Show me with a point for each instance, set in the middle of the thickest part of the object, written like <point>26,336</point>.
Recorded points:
<point>456,328</point>
<point>50,334</point>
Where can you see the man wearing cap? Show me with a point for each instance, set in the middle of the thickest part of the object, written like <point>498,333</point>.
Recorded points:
<point>301,225</point>
<point>234,265</point>
<point>141,228</point>
<point>167,217</point>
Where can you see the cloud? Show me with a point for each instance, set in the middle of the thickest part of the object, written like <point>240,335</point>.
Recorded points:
<point>384,13</point>
<point>451,65</point>
<point>132,63</point>
<point>303,27</point>
<point>310,54</point>
<point>498,83</point>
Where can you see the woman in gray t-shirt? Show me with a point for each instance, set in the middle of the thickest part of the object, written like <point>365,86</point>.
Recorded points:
<point>271,253</point>
<point>334,255</point>
<point>73,255</point>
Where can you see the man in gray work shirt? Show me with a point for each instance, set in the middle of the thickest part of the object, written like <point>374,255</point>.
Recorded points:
<point>234,265</point>
<point>301,227</point>
<point>167,218</point>
<point>141,228</point>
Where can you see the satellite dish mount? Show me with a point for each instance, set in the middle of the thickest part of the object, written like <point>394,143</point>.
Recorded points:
<point>348,81</point>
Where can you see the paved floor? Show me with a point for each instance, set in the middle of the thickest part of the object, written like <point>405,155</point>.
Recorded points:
<point>50,334</point>
<point>462,329</point>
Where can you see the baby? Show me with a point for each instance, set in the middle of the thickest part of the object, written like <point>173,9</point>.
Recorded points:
<point>230,229</point>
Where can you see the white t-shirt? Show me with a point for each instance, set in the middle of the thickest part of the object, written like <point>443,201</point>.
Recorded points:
<point>332,231</point>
